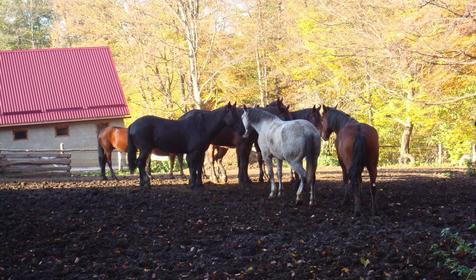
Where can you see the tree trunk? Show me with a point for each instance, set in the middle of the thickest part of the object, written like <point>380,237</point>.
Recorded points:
<point>260,64</point>
<point>405,156</point>
<point>188,13</point>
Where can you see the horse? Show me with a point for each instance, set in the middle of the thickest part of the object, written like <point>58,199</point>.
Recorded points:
<point>190,136</point>
<point>357,147</point>
<point>115,138</point>
<point>292,141</point>
<point>214,155</point>
<point>309,114</point>
<point>229,138</point>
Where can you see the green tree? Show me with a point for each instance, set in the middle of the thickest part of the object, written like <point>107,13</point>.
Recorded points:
<point>25,24</point>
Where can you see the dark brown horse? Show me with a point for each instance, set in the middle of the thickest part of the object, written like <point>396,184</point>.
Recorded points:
<point>115,138</point>
<point>357,147</point>
<point>227,137</point>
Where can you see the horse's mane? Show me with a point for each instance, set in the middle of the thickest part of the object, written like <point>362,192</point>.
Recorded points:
<point>337,118</point>
<point>256,114</point>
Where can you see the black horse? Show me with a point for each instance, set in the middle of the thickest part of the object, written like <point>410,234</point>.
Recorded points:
<point>190,136</point>
<point>228,137</point>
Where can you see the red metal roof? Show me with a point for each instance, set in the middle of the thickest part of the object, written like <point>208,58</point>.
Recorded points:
<point>57,85</point>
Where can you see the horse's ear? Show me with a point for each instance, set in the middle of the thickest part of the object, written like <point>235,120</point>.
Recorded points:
<point>229,104</point>
<point>314,107</point>
<point>287,107</point>
<point>257,106</point>
<point>245,108</point>
<point>322,109</point>
<point>234,104</point>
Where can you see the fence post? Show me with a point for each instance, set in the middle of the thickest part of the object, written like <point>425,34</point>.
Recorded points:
<point>440,153</point>
<point>61,148</point>
<point>119,161</point>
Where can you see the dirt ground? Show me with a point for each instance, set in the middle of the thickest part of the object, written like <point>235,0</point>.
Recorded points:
<point>88,229</point>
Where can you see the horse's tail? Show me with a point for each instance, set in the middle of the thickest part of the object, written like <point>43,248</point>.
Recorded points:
<point>131,152</point>
<point>101,154</point>
<point>312,152</point>
<point>359,156</point>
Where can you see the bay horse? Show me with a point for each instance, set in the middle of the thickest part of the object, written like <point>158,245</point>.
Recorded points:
<point>357,147</point>
<point>214,155</point>
<point>229,138</point>
<point>190,136</point>
<point>292,141</point>
<point>115,138</point>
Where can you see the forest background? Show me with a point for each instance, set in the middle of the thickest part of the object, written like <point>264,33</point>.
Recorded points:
<point>406,67</point>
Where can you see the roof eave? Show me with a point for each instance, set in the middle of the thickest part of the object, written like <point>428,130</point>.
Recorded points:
<point>65,121</point>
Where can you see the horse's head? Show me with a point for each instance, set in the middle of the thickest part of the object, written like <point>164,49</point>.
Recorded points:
<point>324,116</point>
<point>232,118</point>
<point>245,121</point>
<point>279,109</point>
<point>315,118</point>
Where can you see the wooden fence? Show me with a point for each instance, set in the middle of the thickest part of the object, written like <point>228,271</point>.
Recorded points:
<point>35,163</point>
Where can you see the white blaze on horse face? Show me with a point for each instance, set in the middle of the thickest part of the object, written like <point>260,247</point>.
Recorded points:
<point>246,124</point>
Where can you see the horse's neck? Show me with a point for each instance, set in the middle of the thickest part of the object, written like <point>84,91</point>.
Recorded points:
<point>340,121</point>
<point>263,125</point>
<point>212,122</point>
<point>300,115</point>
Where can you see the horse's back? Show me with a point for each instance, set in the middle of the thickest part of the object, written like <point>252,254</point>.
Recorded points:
<point>113,138</point>
<point>346,139</point>
<point>288,140</point>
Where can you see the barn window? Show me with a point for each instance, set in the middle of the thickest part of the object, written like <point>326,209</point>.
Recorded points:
<point>62,130</point>
<point>20,134</point>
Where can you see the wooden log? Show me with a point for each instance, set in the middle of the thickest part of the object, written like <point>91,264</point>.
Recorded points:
<point>34,161</point>
<point>34,155</point>
<point>28,169</point>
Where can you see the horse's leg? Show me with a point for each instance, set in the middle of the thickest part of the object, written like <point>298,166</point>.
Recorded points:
<point>345,179</point>
<point>311,180</point>
<point>171,165</point>
<point>200,159</point>
<point>372,168</point>
<point>223,170</point>
<point>141,163</point>
<point>260,163</point>
<point>280,176</point>
<point>269,164</point>
<point>191,168</point>
<point>180,162</point>
<point>243,151</point>
<point>102,164</point>
<point>109,163</point>
<point>356,191</point>
<point>297,166</point>
<point>211,160</point>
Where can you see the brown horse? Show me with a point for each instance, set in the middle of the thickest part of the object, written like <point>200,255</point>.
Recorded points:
<point>357,147</point>
<point>214,155</point>
<point>115,138</point>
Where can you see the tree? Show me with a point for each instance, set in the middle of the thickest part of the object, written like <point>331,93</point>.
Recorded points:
<point>25,24</point>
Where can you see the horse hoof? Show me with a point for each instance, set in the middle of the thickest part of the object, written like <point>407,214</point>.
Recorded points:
<point>279,194</point>
<point>104,178</point>
<point>271,195</point>
<point>298,202</point>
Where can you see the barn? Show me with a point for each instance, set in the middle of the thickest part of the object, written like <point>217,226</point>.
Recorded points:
<point>54,96</point>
